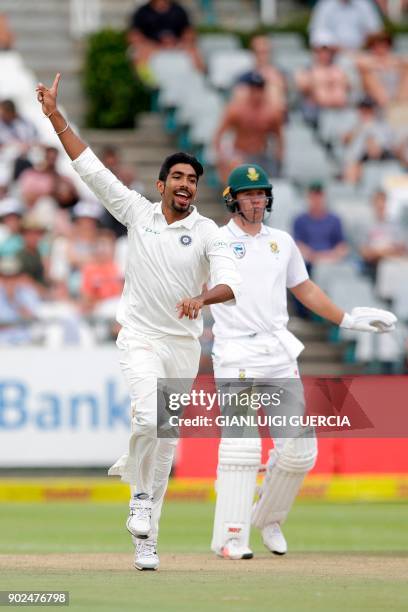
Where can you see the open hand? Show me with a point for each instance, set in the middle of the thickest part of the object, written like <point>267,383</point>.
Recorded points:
<point>48,97</point>
<point>189,307</point>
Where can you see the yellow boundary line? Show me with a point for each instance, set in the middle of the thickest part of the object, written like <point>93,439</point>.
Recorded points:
<point>372,487</point>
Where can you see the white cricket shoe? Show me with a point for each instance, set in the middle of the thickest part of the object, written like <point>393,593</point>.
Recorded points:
<point>274,539</point>
<point>140,513</point>
<point>146,557</point>
<point>234,550</point>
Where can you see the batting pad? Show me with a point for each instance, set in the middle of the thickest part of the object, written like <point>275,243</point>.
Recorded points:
<point>238,464</point>
<point>284,476</point>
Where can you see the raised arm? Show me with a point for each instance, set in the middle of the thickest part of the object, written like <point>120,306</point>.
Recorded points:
<point>72,144</point>
<point>124,204</point>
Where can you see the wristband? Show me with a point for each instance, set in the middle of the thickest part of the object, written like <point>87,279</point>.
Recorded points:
<point>64,130</point>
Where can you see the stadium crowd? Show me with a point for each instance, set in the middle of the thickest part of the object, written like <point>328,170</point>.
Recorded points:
<point>329,122</point>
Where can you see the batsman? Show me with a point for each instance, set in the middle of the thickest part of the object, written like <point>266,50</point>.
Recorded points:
<point>252,342</point>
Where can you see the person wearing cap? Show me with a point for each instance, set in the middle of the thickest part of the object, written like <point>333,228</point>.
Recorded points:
<point>319,233</point>
<point>11,212</point>
<point>19,303</point>
<point>324,84</point>
<point>255,126</point>
<point>348,21</point>
<point>172,252</point>
<point>253,347</point>
<point>369,139</point>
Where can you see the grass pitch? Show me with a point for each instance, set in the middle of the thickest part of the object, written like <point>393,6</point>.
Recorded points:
<point>352,556</point>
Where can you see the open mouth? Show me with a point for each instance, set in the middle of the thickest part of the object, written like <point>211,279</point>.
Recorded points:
<point>182,197</point>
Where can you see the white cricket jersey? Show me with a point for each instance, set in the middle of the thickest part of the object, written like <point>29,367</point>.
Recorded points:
<point>254,330</point>
<point>165,262</point>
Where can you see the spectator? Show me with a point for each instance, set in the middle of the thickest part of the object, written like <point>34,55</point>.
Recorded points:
<point>19,303</point>
<point>276,87</point>
<point>384,74</point>
<point>31,256</point>
<point>40,181</point>
<point>158,25</point>
<point>256,130</point>
<point>324,84</point>
<point>370,139</point>
<point>348,21</point>
<point>111,159</point>
<point>319,233</point>
<point>6,35</point>
<point>70,254</point>
<point>14,130</point>
<point>11,212</point>
<point>101,278</point>
<point>383,239</point>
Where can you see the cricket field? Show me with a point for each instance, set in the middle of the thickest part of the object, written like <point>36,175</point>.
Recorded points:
<point>341,557</point>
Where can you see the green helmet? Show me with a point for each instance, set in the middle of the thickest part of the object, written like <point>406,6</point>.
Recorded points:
<point>242,178</point>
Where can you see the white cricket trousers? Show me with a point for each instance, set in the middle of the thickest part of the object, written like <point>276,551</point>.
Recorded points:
<point>144,360</point>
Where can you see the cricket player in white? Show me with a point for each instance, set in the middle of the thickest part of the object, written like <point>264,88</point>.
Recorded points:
<point>252,342</point>
<point>172,252</point>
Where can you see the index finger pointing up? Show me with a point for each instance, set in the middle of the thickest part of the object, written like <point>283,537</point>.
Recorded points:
<point>54,86</point>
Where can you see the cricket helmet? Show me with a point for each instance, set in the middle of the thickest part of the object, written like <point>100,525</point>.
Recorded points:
<point>243,178</point>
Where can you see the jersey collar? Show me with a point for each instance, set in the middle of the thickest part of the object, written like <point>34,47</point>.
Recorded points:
<point>187,222</point>
<point>238,232</point>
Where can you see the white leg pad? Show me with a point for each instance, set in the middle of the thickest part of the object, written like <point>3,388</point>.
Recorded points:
<point>238,465</point>
<point>285,473</point>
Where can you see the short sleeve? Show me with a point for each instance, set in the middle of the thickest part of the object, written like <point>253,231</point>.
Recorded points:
<point>296,270</point>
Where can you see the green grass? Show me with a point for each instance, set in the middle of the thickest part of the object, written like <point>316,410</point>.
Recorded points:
<point>186,527</point>
<point>371,529</point>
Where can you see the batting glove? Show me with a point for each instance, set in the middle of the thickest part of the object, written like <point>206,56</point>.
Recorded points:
<point>368,319</point>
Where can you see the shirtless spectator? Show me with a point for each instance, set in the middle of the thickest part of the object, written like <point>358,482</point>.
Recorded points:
<point>159,25</point>
<point>371,139</point>
<point>384,74</point>
<point>383,239</point>
<point>255,127</point>
<point>276,87</point>
<point>348,21</point>
<point>324,85</point>
<point>6,35</point>
<point>40,181</point>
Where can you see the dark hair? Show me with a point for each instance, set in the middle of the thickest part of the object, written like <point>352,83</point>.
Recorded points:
<point>9,106</point>
<point>179,158</point>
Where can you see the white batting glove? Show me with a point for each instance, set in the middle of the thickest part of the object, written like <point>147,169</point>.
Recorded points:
<point>368,319</point>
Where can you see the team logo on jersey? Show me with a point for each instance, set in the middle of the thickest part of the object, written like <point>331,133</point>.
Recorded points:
<point>238,249</point>
<point>253,175</point>
<point>186,240</point>
<point>274,247</point>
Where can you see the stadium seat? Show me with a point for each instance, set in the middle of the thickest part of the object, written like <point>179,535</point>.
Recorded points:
<point>324,273</point>
<point>286,205</point>
<point>225,67</point>
<point>392,272</point>
<point>169,65</point>
<point>375,172</point>
<point>287,41</point>
<point>209,44</point>
<point>291,60</point>
<point>333,123</point>
<point>400,302</point>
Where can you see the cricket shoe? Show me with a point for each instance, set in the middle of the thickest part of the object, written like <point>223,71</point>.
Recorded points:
<point>146,557</point>
<point>140,513</point>
<point>234,550</point>
<point>274,539</point>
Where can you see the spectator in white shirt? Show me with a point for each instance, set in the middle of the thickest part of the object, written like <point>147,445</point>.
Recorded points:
<point>349,21</point>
